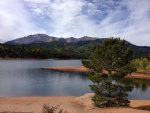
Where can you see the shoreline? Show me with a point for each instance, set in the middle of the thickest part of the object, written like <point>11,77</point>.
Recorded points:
<point>70,104</point>
<point>68,68</point>
<point>35,59</point>
<point>135,75</point>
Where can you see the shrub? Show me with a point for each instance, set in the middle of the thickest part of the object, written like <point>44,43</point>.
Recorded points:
<point>52,109</point>
<point>142,64</point>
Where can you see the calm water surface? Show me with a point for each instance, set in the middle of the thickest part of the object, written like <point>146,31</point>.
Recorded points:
<point>25,78</point>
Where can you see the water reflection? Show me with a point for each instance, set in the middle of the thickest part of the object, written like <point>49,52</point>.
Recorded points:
<point>141,88</point>
<point>137,83</point>
<point>25,78</point>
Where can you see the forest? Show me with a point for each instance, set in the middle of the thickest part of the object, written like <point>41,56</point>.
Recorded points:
<point>59,49</point>
<point>21,51</point>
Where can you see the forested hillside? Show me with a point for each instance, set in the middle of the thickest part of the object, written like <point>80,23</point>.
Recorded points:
<point>85,46</point>
<point>60,49</point>
<point>11,51</point>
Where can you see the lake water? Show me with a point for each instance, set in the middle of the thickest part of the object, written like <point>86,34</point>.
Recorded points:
<point>25,78</point>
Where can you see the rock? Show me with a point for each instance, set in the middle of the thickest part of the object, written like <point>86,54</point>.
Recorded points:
<point>85,100</point>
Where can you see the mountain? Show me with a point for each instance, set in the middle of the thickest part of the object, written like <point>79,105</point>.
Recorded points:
<point>32,39</point>
<point>85,46</point>
<point>73,45</point>
<point>38,38</point>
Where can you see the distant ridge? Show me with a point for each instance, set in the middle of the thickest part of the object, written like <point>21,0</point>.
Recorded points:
<point>39,38</point>
<point>71,44</point>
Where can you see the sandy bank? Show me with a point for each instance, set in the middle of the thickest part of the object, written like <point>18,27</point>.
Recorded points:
<point>69,68</point>
<point>84,69</point>
<point>139,76</point>
<point>72,104</point>
<point>35,59</point>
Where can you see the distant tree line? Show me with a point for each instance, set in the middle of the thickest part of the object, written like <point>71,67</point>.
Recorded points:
<point>22,51</point>
<point>56,49</point>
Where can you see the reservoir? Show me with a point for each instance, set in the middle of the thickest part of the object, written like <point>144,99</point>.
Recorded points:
<point>19,78</point>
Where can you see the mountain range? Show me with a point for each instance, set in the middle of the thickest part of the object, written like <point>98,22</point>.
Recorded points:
<point>71,44</point>
<point>41,38</point>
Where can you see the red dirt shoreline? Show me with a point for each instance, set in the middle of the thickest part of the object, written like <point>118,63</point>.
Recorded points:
<point>84,69</point>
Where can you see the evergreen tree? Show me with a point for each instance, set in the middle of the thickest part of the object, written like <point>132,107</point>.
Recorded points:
<point>109,63</point>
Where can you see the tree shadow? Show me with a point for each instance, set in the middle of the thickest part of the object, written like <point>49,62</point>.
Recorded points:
<point>147,108</point>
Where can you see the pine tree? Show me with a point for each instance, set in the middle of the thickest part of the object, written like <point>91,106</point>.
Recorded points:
<point>109,63</point>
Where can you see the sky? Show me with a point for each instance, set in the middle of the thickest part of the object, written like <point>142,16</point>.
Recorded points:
<point>127,19</point>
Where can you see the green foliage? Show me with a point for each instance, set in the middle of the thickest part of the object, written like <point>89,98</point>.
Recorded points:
<point>80,48</point>
<point>20,51</point>
<point>58,49</point>
<point>109,63</point>
<point>85,46</point>
<point>142,64</point>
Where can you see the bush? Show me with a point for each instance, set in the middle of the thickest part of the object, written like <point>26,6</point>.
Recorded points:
<point>52,109</point>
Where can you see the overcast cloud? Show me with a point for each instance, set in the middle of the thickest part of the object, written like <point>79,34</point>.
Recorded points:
<point>128,19</point>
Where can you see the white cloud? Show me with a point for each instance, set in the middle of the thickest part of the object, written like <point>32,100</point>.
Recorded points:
<point>15,21</point>
<point>129,19</point>
<point>38,11</point>
<point>135,28</point>
<point>37,1</point>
